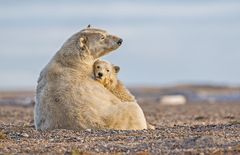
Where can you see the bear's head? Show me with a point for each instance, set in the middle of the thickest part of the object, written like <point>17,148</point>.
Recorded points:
<point>98,42</point>
<point>86,46</point>
<point>105,73</point>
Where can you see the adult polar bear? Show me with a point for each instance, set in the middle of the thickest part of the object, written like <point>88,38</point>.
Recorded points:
<point>67,97</point>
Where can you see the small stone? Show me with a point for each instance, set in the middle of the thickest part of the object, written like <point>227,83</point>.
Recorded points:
<point>88,130</point>
<point>104,145</point>
<point>97,150</point>
<point>25,135</point>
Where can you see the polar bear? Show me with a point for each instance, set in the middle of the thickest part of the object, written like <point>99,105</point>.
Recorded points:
<point>106,73</point>
<point>68,97</point>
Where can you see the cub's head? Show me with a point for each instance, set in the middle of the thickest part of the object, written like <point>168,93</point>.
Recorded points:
<point>98,41</point>
<point>105,73</point>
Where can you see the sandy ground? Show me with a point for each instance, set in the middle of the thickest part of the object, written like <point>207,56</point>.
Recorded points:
<point>189,129</point>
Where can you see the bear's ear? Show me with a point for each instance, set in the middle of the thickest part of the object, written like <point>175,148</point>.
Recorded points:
<point>82,42</point>
<point>97,60</point>
<point>116,68</point>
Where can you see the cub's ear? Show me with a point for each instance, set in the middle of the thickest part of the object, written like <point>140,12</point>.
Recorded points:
<point>116,68</point>
<point>97,60</point>
<point>82,41</point>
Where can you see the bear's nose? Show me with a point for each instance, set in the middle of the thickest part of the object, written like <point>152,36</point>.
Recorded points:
<point>100,74</point>
<point>119,42</point>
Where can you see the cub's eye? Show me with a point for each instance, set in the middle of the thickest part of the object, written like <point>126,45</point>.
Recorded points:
<point>98,67</point>
<point>107,70</point>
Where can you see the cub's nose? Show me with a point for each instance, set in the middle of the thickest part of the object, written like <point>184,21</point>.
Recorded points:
<point>119,42</point>
<point>100,74</point>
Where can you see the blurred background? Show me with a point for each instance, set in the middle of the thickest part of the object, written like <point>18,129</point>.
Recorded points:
<point>165,42</point>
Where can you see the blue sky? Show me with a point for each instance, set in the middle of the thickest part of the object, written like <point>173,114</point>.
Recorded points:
<point>165,42</point>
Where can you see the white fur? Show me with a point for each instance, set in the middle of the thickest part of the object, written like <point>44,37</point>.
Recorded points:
<point>67,96</point>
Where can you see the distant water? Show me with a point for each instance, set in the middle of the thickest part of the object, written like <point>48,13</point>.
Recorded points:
<point>191,95</point>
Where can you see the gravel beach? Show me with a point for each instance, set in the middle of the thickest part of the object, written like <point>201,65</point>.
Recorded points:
<point>199,128</point>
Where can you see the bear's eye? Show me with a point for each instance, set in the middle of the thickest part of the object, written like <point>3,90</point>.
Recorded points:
<point>102,37</point>
<point>98,67</point>
<point>107,70</point>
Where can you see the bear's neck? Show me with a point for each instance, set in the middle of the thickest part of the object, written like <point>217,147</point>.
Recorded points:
<point>71,56</point>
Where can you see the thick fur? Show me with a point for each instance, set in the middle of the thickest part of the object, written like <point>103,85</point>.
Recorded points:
<point>109,79</point>
<point>68,97</point>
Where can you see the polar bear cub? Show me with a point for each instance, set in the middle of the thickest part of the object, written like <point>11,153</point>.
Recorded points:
<point>106,74</point>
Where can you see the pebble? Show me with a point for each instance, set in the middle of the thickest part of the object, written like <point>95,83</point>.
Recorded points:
<point>25,135</point>
<point>88,130</point>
